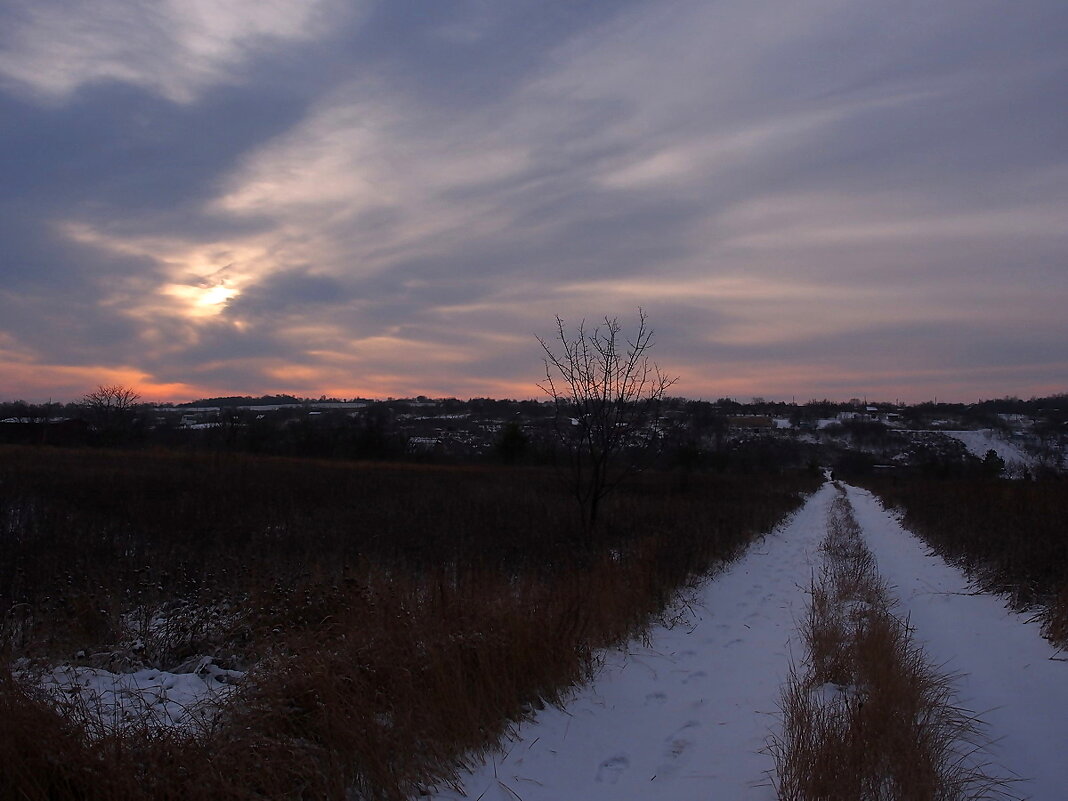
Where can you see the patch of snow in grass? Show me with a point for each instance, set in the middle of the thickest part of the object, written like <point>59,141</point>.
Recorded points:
<point>156,698</point>
<point>829,694</point>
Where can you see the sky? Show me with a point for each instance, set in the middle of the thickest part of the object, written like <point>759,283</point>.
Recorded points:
<point>807,198</point>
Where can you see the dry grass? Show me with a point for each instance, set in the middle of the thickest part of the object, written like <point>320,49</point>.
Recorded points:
<point>1009,535</point>
<point>396,620</point>
<point>1056,625</point>
<point>868,718</point>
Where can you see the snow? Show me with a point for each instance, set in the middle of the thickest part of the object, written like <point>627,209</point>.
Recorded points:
<point>980,441</point>
<point>160,699</point>
<point>688,714</point>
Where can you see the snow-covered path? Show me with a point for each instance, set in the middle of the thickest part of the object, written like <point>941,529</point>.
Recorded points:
<point>687,716</point>
<point>1008,675</point>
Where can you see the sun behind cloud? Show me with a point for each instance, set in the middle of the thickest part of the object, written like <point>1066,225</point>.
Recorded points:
<point>202,301</point>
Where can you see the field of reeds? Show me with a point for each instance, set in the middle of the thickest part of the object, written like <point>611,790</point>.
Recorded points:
<point>390,619</point>
<point>1011,536</point>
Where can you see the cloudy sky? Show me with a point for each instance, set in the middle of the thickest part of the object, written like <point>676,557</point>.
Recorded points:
<point>809,198</point>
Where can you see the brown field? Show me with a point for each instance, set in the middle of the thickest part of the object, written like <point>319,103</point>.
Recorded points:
<point>393,618</point>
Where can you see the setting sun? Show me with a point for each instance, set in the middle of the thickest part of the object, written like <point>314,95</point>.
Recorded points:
<point>202,301</point>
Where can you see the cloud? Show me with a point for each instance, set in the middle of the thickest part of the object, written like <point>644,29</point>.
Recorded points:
<point>817,220</point>
<point>175,48</point>
<point>795,192</point>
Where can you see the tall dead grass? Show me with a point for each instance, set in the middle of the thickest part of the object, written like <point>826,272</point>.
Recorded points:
<point>1009,535</point>
<point>395,620</point>
<point>868,718</point>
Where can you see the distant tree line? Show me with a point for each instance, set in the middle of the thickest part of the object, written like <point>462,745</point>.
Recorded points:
<point>691,435</point>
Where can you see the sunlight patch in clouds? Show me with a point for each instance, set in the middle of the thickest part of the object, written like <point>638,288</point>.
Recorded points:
<point>202,301</point>
<point>203,277</point>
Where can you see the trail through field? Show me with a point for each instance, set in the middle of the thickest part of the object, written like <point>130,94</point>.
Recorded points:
<point>688,714</point>
<point>1012,678</point>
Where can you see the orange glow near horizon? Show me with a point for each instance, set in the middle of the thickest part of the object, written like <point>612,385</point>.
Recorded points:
<point>183,306</point>
<point>66,383</point>
<point>59,383</point>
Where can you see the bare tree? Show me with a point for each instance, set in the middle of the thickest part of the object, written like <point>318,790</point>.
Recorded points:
<point>607,395</point>
<point>111,406</point>
<point>111,397</point>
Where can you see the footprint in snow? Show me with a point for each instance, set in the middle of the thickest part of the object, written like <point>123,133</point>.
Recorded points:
<point>676,736</point>
<point>610,770</point>
<point>677,744</point>
<point>697,674</point>
<point>656,698</point>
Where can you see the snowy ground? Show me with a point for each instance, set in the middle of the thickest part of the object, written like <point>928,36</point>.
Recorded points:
<point>982,440</point>
<point>688,715</point>
<point>157,698</point>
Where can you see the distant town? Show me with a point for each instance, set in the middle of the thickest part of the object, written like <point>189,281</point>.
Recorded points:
<point>1009,436</point>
